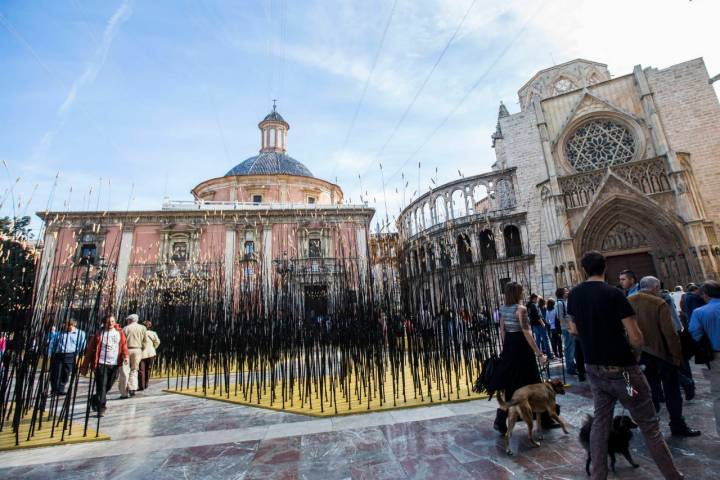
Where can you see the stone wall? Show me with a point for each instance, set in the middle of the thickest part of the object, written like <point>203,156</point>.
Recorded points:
<point>690,114</point>
<point>523,150</point>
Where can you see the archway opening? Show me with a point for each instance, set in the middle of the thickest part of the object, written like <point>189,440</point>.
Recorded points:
<point>488,250</point>
<point>513,242</point>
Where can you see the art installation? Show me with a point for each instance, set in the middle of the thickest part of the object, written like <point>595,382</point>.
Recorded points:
<point>322,336</point>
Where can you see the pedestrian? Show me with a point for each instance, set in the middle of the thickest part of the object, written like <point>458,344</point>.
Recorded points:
<point>606,327</point>
<point>705,322</point>
<point>537,324</point>
<point>518,360</point>
<point>661,353</point>
<point>106,352</point>
<point>65,348</point>
<point>52,333</point>
<point>553,327</point>
<point>628,281</point>
<point>693,299</point>
<point>136,341</point>
<point>674,316</point>
<point>152,342</point>
<point>677,295</point>
<point>568,340</point>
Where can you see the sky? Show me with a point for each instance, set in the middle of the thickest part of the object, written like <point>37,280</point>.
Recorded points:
<point>118,104</point>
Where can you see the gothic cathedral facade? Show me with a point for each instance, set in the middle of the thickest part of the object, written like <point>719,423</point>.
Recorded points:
<point>627,165</point>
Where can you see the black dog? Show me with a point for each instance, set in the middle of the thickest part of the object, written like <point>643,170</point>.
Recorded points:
<point>618,441</point>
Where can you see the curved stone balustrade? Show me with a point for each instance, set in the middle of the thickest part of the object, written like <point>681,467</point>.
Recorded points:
<point>487,193</point>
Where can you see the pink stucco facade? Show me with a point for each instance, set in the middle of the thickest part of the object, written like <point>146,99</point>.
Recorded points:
<point>266,210</point>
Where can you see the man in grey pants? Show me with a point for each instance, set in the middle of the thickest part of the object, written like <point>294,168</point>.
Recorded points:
<point>609,335</point>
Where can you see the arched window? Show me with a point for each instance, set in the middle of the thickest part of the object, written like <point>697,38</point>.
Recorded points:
<point>480,197</point>
<point>440,213</point>
<point>513,242</point>
<point>464,250</point>
<point>488,250</point>
<point>599,143</point>
<point>458,204</point>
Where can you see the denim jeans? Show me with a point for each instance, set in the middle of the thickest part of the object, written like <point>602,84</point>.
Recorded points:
<point>608,387</point>
<point>541,338</point>
<point>569,349</point>
<point>61,367</point>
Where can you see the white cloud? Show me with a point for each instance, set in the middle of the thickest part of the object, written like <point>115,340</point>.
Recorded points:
<point>87,77</point>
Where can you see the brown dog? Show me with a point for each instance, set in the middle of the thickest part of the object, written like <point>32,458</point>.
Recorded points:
<point>536,398</point>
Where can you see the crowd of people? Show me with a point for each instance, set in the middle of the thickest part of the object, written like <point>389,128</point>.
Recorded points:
<point>633,342</point>
<point>112,353</point>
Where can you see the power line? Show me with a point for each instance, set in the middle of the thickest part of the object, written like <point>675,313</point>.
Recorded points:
<point>422,86</point>
<point>469,92</point>
<point>367,80</point>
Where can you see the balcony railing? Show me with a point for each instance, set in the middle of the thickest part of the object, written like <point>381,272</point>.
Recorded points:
<point>186,205</point>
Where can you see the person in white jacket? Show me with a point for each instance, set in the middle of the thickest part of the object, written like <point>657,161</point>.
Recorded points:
<point>152,342</point>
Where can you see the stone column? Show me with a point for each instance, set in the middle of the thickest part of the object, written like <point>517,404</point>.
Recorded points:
<point>121,274</point>
<point>361,244</point>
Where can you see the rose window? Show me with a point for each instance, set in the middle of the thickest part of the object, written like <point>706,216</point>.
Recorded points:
<point>599,144</point>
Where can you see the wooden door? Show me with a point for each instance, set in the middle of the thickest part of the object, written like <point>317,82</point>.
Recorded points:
<point>640,263</point>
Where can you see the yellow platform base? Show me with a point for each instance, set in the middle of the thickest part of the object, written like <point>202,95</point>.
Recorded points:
<point>42,437</point>
<point>340,405</point>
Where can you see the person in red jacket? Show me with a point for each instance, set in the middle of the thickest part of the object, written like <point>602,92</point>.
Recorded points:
<point>106,351</point>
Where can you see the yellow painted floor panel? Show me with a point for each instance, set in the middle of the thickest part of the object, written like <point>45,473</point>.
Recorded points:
<point>358,404</point>
<point>42,438</point>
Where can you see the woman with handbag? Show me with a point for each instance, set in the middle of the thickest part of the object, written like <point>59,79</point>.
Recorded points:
<point>517,366</point>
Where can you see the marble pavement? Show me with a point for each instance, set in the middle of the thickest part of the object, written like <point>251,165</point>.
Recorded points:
<point>160,435</point>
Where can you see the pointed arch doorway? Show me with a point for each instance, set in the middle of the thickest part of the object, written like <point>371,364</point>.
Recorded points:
<point>635,234</point>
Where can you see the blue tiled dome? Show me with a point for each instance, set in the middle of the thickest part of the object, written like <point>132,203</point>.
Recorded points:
<point>270,163</point>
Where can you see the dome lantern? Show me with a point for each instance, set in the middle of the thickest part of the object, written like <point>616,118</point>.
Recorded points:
<point>273,132</point>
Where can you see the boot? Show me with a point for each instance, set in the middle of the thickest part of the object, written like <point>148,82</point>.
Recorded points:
<point>501,421</point>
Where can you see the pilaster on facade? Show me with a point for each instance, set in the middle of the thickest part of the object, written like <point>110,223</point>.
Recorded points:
<point>123,264</point>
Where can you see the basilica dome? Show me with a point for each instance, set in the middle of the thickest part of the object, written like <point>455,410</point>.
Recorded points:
<point>270,163</point>
<point>270,177</point>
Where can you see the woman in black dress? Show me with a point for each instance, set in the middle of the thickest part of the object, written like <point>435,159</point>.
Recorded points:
<point>518,360</point>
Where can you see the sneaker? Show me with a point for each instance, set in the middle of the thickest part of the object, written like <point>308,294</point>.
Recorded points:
<point>132,393</point>
<point>101,413</point>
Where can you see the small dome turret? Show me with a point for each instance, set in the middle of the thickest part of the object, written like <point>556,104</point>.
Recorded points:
<point>273,130</point>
